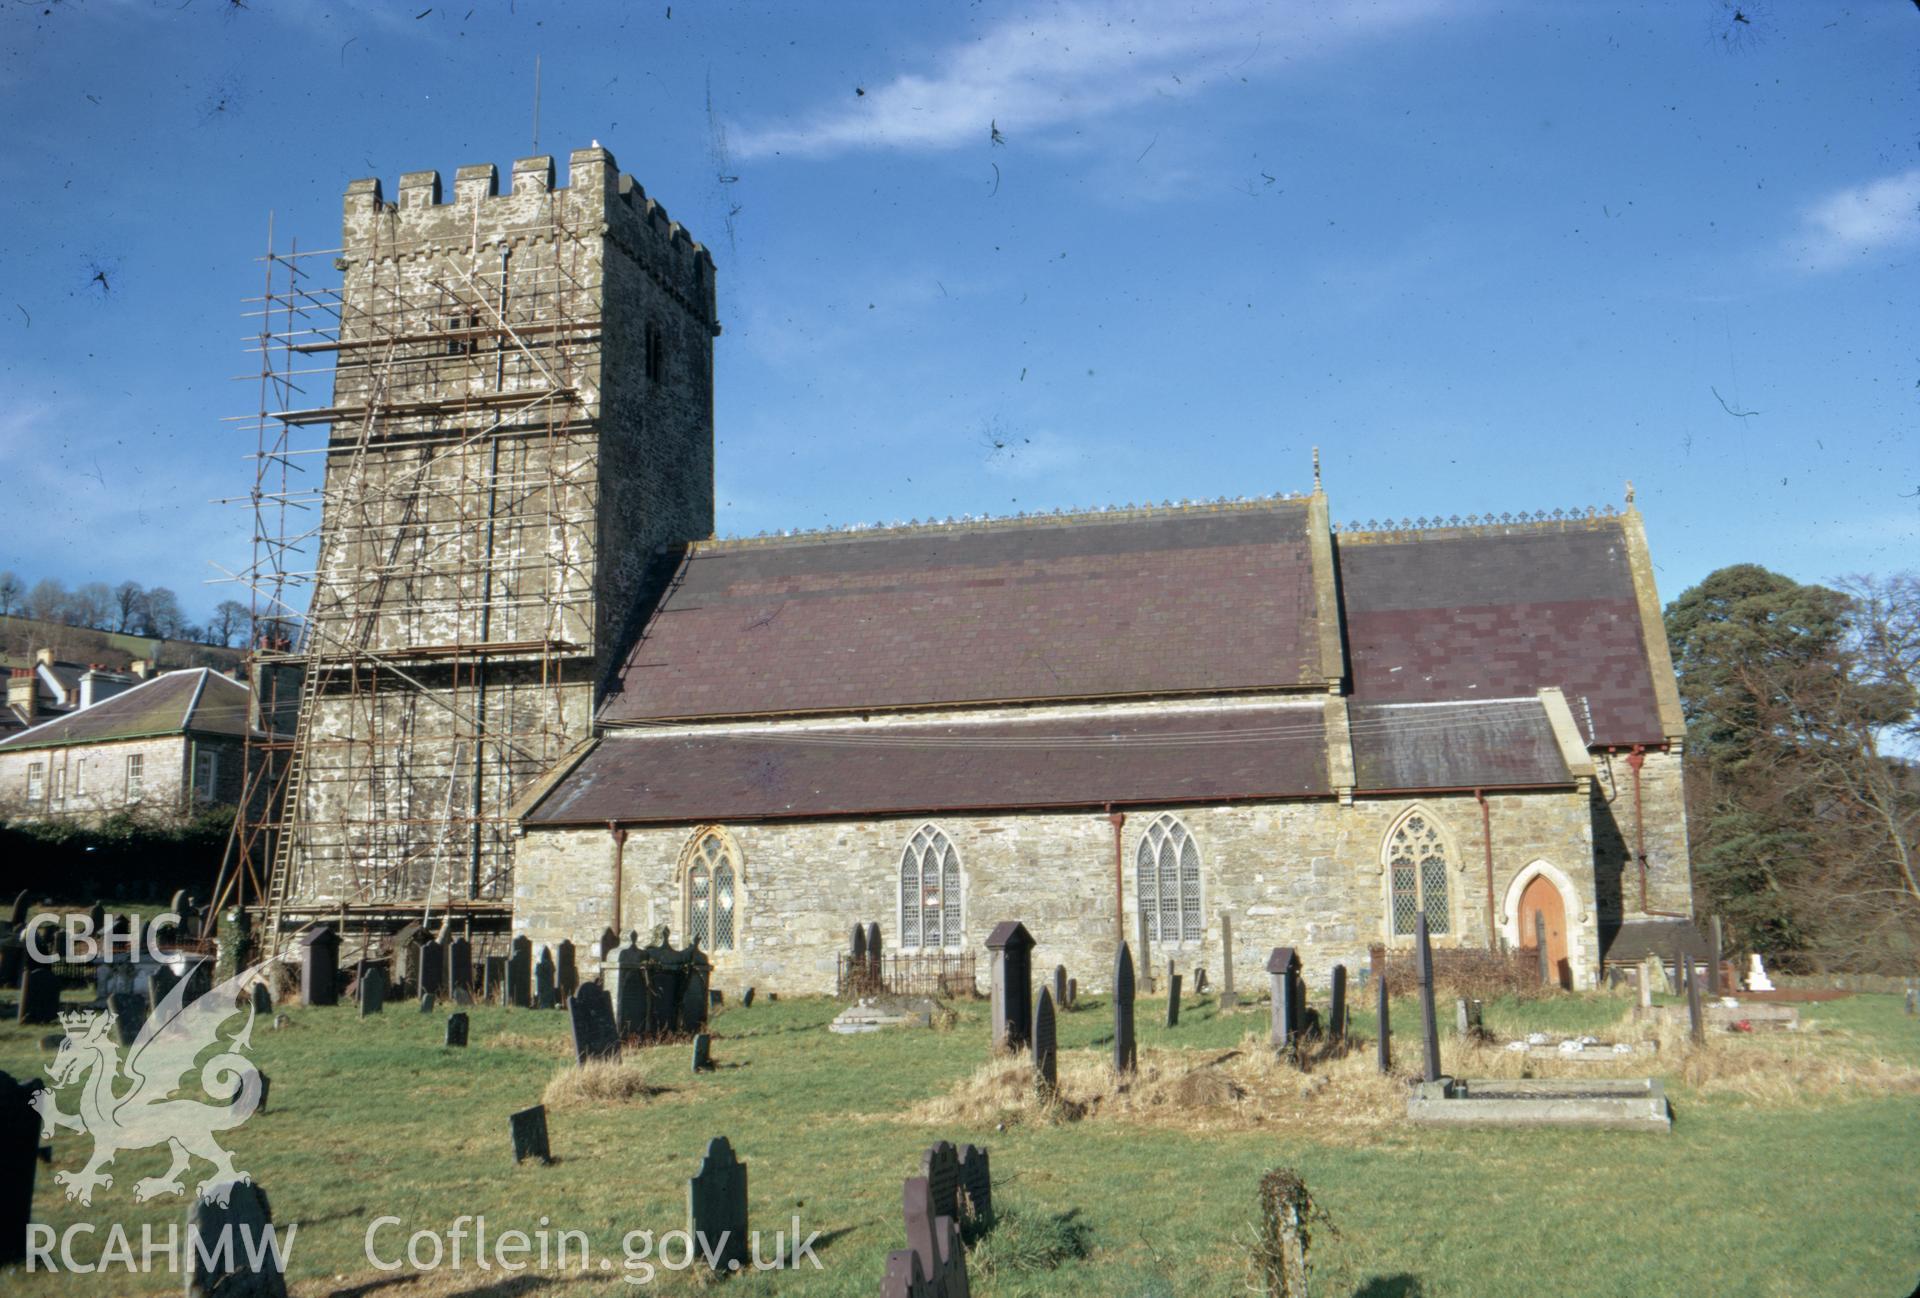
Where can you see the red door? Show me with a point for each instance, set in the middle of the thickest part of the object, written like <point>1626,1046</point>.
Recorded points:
<point>1543,899</point>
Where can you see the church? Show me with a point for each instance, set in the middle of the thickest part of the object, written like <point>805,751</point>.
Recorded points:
<point>537,694</point>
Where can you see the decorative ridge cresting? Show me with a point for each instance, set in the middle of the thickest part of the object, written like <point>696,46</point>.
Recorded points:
<point>1483,524</point>
<point>968,522</point>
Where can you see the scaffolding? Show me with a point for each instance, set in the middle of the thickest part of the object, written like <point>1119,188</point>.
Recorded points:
<point>422,570</point>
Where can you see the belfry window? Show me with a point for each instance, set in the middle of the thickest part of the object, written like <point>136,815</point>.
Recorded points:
<point>1167,881</point>
<point>1417,862</point>
<point>930,901</point>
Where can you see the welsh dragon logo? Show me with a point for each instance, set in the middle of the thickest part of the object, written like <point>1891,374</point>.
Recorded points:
<point>130,1103</point>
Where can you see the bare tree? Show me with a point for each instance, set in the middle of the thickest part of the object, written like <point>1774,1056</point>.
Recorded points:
<point>91,605</point>
<point>163,617</point>
<point>47,601</point>
<point>129,603</point>
<point>230,618</point>
<point>11,592</point>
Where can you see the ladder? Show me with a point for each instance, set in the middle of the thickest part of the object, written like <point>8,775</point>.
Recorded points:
<point>281,881</point>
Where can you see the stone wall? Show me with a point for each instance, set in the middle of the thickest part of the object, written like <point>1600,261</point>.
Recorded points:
<point>1661,818</point>
<point>1305,874</point>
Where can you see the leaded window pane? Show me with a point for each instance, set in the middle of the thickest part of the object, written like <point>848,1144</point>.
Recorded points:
<point>950,890</point>
<point>910,898</point>
<point>1433,892</point>
<point>1406,899</point>
<point>699,885</point>
<point>1146,882</point>
<point>930,891</point>
<point>1167,882</point>
<point>1190,923</point>
<point>1417,856</point>
<point>723,907</point>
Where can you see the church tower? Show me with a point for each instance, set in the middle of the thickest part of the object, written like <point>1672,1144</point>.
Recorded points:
<point>522,413</point>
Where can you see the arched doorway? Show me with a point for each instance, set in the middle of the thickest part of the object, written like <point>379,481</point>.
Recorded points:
<point>1543,898</point>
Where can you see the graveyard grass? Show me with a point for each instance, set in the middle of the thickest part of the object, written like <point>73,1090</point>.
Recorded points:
<point>1779,1195</point>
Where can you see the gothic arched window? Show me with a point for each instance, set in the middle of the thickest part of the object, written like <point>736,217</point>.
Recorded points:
<point>930,898</point>
<point>711,892</point>
<point>1167,880</point>
<point>1417,864</point>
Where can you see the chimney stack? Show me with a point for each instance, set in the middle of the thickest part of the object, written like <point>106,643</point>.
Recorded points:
<point>23,693</point>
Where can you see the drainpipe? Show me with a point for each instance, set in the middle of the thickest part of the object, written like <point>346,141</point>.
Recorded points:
<point>1635,760</point>
<point>1486,837</point>
<point>1118,819</point>
<point>619,871</point>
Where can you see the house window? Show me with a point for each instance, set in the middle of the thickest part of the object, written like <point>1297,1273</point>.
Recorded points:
<point>206,769</point>
<point>135,763</point>
<point>711,889</point>
<point>59,785</point>
<point>79,777</point>
<point>36,781</point>
<point>1417,862</point>
<point>1167,880</point>
<point>930,899</point>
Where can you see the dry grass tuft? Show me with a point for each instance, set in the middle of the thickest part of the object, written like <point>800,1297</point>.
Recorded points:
<point>600,1083</point>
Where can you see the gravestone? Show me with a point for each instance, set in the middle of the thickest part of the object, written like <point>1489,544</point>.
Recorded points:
<point>1073,993</point>
<point>1146,951</point>
<point>873,947</point>
<point>1012,948</point>
<point>1429,1029</point>
<point>19,1150</point>
<point>746,999</point>
<point>596,1035</point>
<point>1696,1025</point>
<point>1469,1019</point>
<point>320,966</point>
<point>430,968</point>
<point>567,966</point>
<point>460,967</point>
<point>1125,1056</point>
<point>1715,986</point>
<point>693,1001</point>
<point>245,1267</point>
<point>1199,980</point>
<point>1337,1012</point>
<point>1060,986</point>
<point>1757,980</point>
<point>626,975</point>
<point>529,1130</point>
<point>717,1208</point>
<point>857,974</point>
<point>933,1241</point>
<point>605,945</point>
<point>373,990</point>
<point>1384,1045</point>
<point>1913,1002</point>
<point>262,999</point>
<point>405,962</point>
<point>976,1182</point>
<point>1046,1055</point>
<point>129,1013</point>
<point>1228,997</point>
<point>1283,987</point>
<point>546,981</point>
<point>702,1053</point>
<point>716,999</point>
<point>940,1168</point>
<point>199,980</point>
<point>520,973</point>
<point>457,1028</point>
<point>426,1002</point>
<point>1645,990</point>
<point>39,994</point>
<point>493,979</point>
<point>1173,1000</point>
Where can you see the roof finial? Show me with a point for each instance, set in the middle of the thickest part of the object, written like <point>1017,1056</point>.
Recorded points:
<point>1316,468</point>
<point>1629,493</point>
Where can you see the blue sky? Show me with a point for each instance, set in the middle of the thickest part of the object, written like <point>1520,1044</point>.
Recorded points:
<point>1487,258</point>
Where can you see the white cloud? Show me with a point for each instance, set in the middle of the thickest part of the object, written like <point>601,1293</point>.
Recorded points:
<point>1853,222</point>
<point>1081,62</point>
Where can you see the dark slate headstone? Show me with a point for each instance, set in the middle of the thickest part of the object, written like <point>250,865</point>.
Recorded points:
<point>568,965</point>
<point>1200,980</point>
<point>1125,1056</point>
<point>1012,949</point>
<point>529,1128</point>
<point>716,998</point>
<point>1173,1000</point>
<point>702,1053</point>
<point>1228,998</point>
<point>1384,1045</point>
<point>430,969</point>
<point>626,971</point>
<point>39,994</point>
<point>1073,993</point>
<point>426,1002</point>
<point>19,1149</point>
<point>319,966</point>
<point>520,973</point>
<point>406,954</point>
<point>493,979</point>
<point>373,990</point>
<point>457,1028</point>
<point>1715,935</point>
<point>129,1013</point>
<point>873,946</point>
<point>595,1035</point>
<point>1060,986</point>
<point>940,1168</point>
<point>693,1001</point>
<point>1284,987</point>
<point>199,980</point>
<point>976,1182</point>
<point>905,1277</point>
<point>546,981</point>
<point>1696,1025</point>
<point>1423,965</point>
<point>1337,1013</point>
<point>459,966</point>
<point>1046,1053</point>
<point>935,1239</point>
<point>746,999</point>
<point>159,983</point>
<point>717,1208</point>
<point>262,999</point>
<point>230,1272</point>
<point>857,952</point>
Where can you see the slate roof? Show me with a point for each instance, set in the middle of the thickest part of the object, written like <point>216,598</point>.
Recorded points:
<point>1204,599</point>
<point>197,700</point>
<point>1492,743</point>
<point>1165,756</point>
<point>1449,615</point>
